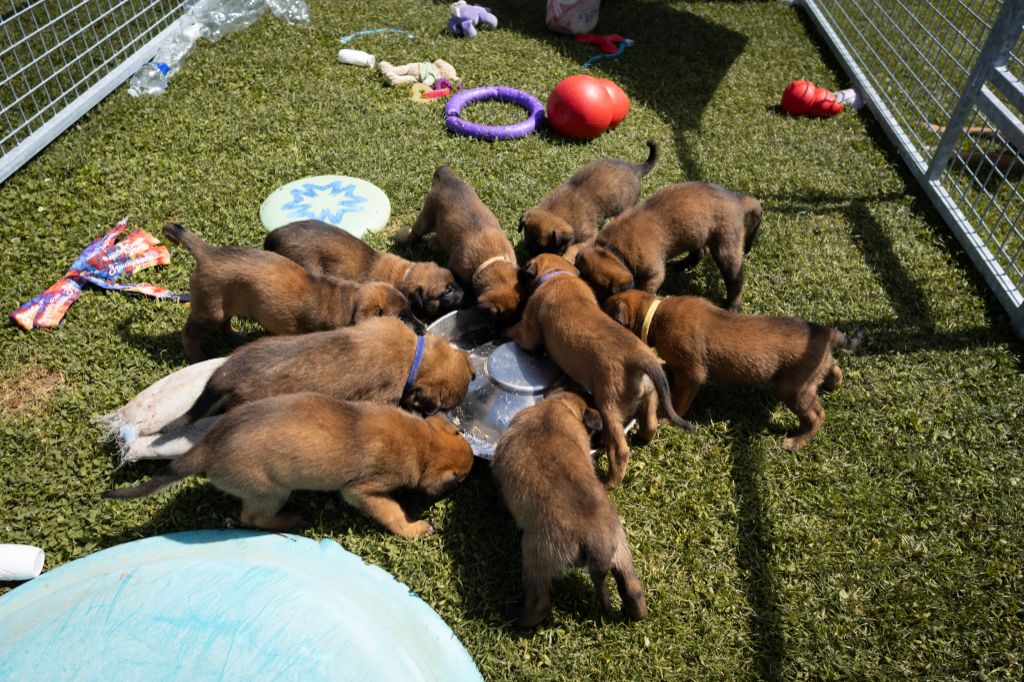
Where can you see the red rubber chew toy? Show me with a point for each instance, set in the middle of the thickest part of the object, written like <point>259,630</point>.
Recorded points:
<point>804,98</point>
<point>582,107</point>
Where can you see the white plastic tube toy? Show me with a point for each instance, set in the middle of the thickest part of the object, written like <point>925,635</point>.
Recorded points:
<point>20,562</point>
<point>356,58</point>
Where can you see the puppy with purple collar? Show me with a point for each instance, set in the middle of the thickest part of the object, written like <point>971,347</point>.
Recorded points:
<point>621,373</point>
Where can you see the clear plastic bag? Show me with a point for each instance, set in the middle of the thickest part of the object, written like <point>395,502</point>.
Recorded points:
<point>210,19</point>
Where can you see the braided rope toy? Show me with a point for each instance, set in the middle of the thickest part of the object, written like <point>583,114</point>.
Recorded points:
<point>612,46</point>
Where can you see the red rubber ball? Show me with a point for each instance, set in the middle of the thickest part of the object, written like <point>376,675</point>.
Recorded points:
<point>579,107</point>
<point>798,97</point>
<point>619,102</point>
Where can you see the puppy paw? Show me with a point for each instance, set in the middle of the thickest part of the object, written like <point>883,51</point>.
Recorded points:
<point>793,444</point>
<point>611,484</point>
<point>418,529</point>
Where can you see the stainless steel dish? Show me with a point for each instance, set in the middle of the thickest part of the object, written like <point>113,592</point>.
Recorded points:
<point>507,378</point>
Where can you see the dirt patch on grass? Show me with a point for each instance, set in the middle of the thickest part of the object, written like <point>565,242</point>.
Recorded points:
<point>29,392</point>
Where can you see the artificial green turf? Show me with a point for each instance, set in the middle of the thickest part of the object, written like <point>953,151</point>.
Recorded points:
<point>888,548</point>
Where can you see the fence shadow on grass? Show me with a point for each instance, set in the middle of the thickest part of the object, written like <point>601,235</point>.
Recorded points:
<point>755,558</point>
<point>748,412</point>
<point>913,327</point>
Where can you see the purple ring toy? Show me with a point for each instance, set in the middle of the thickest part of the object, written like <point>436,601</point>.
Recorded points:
<point>457,124</point>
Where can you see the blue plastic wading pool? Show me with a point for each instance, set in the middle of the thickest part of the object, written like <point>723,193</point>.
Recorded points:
<point>232,604</point>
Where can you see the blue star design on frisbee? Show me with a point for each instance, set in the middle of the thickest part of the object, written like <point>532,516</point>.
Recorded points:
<point>328,203</point>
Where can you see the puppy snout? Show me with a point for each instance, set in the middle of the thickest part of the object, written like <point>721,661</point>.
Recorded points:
<point>452,295</point>
<point>413,323</point>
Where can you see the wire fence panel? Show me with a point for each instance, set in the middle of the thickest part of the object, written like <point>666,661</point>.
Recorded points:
<point>943,77</point>
<point>58,58</point>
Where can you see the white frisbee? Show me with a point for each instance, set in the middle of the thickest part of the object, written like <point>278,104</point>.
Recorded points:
<point>352,204</point>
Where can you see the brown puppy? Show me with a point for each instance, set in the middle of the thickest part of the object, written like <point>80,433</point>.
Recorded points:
<point>574,211</point>
<point>263,451</point>
<point>543,467</point>
<point>702,342</point>
<point>274,291</point>
<point>370,361</point>
<point>695,217</point>
<point>323,249</point>
<point>620,372</point>
<point>479,253</point>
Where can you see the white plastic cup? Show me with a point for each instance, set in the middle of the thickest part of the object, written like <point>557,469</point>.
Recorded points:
<point>356,58</point>
<point>20,562</point>
<point>850,98</point>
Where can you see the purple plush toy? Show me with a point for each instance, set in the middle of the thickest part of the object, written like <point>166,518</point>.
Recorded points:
<point>465,19</point>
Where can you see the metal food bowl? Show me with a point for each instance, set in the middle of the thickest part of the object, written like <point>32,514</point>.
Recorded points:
<point>507,378</point>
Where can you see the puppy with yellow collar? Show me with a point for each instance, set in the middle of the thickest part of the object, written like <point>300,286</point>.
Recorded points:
<point>700,342</point>
<point>479,253</point>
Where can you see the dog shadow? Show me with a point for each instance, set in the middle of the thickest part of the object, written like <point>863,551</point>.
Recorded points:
<point>166,347</point>
<point>483,542</point>
<point>196,507</point>
<point>748,413</point>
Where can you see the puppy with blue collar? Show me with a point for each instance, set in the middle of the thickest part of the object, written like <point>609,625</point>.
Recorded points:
<point>379,360</point>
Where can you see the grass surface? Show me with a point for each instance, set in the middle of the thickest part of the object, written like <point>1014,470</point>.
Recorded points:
<point>889,548</point>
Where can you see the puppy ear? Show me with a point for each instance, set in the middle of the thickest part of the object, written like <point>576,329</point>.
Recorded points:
<point>522,224</point>
<point>592,419</point>
<point>488,310</point>
<point>415,399</point>
<point>623,286</point>
<point>619,311</point>
<point>560,241</point>
<point>416,297</point>
<point>530,270</point>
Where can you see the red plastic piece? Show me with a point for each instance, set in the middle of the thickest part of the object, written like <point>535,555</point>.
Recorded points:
<point>608,44</point>
<point>804,98</point>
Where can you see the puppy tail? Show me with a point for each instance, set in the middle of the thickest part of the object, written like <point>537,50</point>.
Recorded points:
<point>751,223</point>
<point>173,472</point>
<point>847,343</point>
<point>647,166</point>
<point>654,369</point>
<point>634,606</point>
<point>179,235</point>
